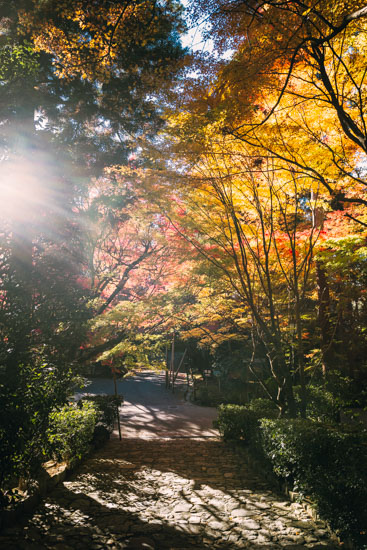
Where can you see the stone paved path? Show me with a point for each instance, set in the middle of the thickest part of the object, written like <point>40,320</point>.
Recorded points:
<point>166,493</point>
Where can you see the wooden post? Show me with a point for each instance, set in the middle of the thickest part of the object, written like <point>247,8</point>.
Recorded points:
<point>187,385</point>
<point>178,370</point>
<point>167,378</point>
<point>118,412</point>
<point>172,366</point>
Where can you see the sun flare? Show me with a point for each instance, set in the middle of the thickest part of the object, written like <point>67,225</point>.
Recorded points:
<point>28,189</point>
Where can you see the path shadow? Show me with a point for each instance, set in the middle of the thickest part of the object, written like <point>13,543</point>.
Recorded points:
<point>120,469</point>
<point>172,420</point>
<point>123,461</point>
<point>124,530</point>
<point>98,502</point>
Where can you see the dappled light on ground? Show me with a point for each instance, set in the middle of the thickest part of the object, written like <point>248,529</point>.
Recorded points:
<point>168,494</point>
<point>149,411</point>
<point>155,422</point>
<point>167,485</point>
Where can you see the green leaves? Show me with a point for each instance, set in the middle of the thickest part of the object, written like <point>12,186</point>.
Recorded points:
<point>325,463</point>
<point>18,61</point>
<point>71,430</point>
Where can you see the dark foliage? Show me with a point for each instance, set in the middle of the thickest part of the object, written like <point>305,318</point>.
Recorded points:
<point>326,463</point>
<point>71,431</point>
<point>241,422</point>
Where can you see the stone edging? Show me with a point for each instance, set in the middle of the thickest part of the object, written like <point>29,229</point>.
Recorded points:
<point>51,475</point>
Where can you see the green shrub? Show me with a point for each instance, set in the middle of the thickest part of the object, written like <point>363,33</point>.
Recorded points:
<point>207,395</point>
<point>27,400</point>
<point>107,406</point>
<point>328,463</point>
<point>322,405</point>
<point>236,422</point>
<point>265,407</point>
<point>241,422</point>
<point>71,431</point>
<point>325,463</point>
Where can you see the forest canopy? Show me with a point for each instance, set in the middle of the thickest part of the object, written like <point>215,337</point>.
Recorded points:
<point>152,190</point>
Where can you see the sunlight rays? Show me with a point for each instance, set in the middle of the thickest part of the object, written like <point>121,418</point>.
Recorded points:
<point>34,194</point>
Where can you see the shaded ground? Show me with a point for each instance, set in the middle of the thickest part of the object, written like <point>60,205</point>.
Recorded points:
<point>168,492</point>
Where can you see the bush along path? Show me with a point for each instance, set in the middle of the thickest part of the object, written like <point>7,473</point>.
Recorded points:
<point>166,493</point>
<point>326,462</point>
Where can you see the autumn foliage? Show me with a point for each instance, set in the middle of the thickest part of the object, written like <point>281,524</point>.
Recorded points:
<point>217,195</point>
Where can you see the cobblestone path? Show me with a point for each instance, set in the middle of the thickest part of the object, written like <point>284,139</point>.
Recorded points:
<point>166,494</point>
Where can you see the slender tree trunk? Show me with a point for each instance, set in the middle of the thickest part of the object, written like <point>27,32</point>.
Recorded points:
<point>323,296</point>
<point>300,359</point>
<point>324,318</point>
<point>281,374</point>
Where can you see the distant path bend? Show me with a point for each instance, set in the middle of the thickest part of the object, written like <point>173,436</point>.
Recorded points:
<point>152,412</point>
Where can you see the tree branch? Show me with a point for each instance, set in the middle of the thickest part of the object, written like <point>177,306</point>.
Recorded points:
<point>148,250</point>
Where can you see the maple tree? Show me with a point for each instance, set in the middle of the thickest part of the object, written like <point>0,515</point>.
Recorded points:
<point>250,225</point>
<point>297,69</point>
<point>292,97</point>
<point>290,89</point>
<point>141,274</point>
<point>124,256</point>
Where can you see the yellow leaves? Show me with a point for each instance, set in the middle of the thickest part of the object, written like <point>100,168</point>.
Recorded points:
<point>263,39</point>
<point>90,46</point>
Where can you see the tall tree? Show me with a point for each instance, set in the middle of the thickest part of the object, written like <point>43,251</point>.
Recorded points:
<point>93,74</point>
<point>250,223</point>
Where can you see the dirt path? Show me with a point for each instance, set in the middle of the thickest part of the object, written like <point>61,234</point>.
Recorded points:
<point>170,484</point>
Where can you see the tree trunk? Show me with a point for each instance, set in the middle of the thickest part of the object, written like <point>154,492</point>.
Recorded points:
<point>300,359</point>
<point>323,295</point>
<point>324,318</point>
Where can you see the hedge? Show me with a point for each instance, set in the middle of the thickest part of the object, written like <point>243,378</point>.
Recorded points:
<point>322,405</point>
<point>326,462</point>
<point>70,432</point>
<point>241,422</point>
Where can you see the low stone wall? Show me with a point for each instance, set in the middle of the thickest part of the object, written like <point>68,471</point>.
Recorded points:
<point>52,474</point>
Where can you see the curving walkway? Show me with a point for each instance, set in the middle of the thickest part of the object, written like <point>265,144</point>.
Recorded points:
<point>171,484</point>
